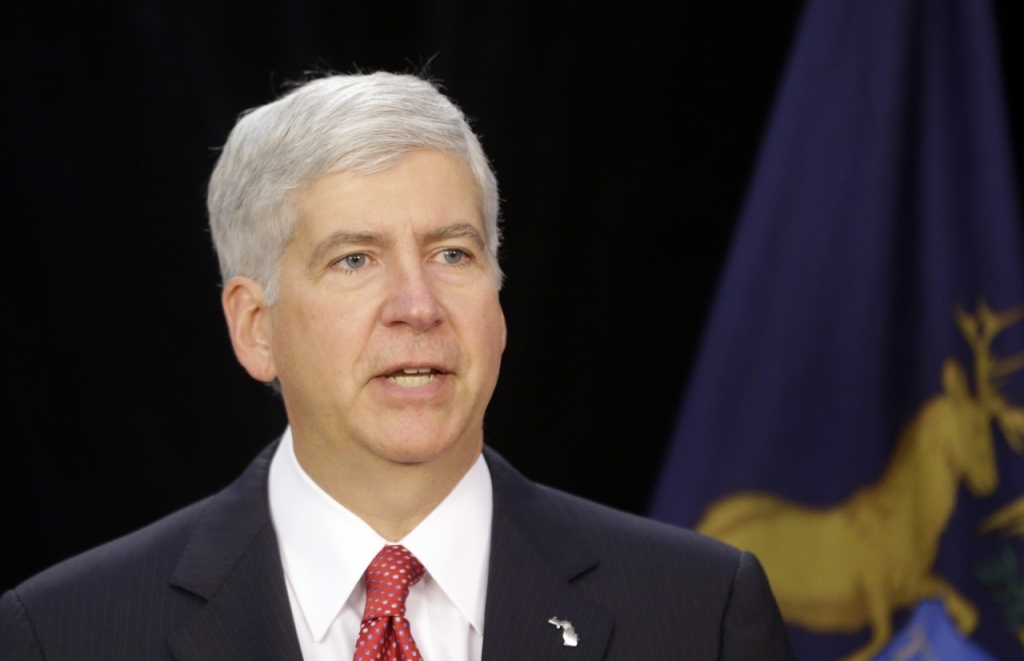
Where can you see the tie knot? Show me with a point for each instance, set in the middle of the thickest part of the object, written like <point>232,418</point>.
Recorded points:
<point>388,579</point>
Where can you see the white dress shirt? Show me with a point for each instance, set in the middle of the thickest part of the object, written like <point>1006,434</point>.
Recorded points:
<point>325,549</point>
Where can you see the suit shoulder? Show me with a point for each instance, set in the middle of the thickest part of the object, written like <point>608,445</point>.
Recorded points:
<point>148,553</point>
<point>721,593</point>
<point>716,597</point>
<point>616,533</point>
<point>626,544</point>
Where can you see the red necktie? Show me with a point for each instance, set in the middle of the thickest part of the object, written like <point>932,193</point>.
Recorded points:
<point>385,634</point>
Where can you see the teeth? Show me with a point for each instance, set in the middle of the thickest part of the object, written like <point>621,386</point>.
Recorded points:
<point>416,370</point>
<point>412,381</point>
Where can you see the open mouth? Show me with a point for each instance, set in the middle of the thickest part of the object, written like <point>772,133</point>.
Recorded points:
<point>413,377</point>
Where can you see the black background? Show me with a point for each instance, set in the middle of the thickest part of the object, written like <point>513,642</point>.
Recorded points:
<point>623,138</point>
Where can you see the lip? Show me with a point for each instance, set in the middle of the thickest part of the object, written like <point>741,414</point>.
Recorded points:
<point>438,388</point>
<point>398,367</point>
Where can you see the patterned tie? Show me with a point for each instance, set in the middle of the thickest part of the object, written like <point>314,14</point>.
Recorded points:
<point>385,634</point>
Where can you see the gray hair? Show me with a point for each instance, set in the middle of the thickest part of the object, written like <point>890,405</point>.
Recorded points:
<point>361,123</point>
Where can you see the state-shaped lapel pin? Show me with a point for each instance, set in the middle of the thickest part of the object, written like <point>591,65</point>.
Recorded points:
<point>569,636</point>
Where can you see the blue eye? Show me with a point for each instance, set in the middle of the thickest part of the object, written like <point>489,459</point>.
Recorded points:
<point>354,262</point>
<point>453,256</point>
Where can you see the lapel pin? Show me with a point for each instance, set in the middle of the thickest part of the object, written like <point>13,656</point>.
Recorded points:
<point>569,636</point>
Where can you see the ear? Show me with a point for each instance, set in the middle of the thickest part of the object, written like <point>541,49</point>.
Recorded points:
<point>249,326</point>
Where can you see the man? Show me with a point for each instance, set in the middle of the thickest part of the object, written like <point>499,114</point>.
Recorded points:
<point>355,220</point>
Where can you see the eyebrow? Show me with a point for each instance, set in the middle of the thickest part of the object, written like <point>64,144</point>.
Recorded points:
<point>345,237</point>
<point>456,230</point>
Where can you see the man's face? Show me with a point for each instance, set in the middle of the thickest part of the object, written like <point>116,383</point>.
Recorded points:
<point>387,334</point>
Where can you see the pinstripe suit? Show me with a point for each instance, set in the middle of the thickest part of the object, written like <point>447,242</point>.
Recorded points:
<point>206,583</point>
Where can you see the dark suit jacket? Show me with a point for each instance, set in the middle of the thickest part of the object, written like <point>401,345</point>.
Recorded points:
<point>206,583</point>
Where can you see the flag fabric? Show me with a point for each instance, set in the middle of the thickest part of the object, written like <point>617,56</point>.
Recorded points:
<point>854,416</point>
<point>930,634</point>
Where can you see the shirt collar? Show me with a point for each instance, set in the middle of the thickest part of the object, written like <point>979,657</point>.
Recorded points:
<point>325,548</point>
<point>454,541</point>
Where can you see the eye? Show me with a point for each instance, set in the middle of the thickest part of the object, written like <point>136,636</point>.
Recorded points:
<point>353,262</point>
<point>452,255</point>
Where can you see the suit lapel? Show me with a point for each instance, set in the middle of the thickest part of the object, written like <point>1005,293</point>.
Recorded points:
<point>232,561</point>
<point>536,558</point>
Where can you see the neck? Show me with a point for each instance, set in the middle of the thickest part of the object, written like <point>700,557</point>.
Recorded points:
<point>392,497</point>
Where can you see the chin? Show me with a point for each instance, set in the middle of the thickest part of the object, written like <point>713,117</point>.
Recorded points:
<point>418,447</point>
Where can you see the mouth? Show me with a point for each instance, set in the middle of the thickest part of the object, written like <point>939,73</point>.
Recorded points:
<point>413,377</point>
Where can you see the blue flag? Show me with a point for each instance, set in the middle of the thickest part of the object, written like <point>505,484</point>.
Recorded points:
<point>855,414</point>
<point>931,636</point>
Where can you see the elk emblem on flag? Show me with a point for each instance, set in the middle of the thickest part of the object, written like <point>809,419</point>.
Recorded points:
<point>846,567</point>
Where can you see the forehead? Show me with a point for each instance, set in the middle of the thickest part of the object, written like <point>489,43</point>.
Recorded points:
<point>422,190</point>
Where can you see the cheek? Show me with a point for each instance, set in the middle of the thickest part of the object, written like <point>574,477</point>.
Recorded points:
<point>309,340</point>
<point>343,343</point>
<point>287,347</point>
<point>493,331</point>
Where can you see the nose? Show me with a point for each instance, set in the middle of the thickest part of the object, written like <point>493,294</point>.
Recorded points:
<point>411,300</point>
